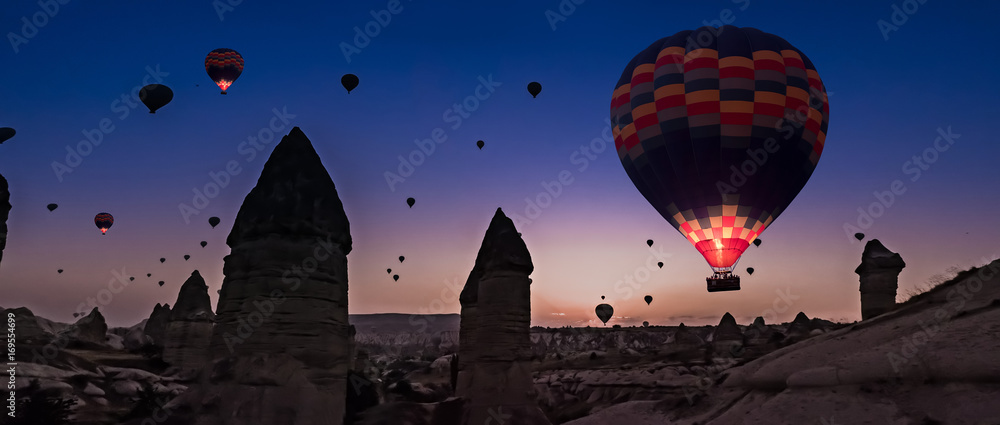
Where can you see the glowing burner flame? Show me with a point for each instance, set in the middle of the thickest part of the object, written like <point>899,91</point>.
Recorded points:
<point>224,85</point>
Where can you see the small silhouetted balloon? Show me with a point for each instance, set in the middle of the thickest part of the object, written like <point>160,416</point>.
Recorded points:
<point>756,242</point>
<point>534,88</point>
<point>6,133</point>
<point>410,202</point>
<point>214,221</point>
<point>131,278</point>
<point>186,257</point>
<point>395,277</point>
<point>602,297</point>
<point>52,207</point>
<point>203,243</point>
<point>750,270</point>
<point>660,264</point>
<point>60,270</point>
<point>648,299</point>
<point>149,274</point>
<point>604,312</point>
<point>860,236</point>
<point>155,96</point>
<point>163,259</point>
<point>350,81</point>
<point>388,271</point>
<point>649,242</point>
<point>161,283</point>
<point>401,258</point>
<point>480,144</point>
<point>645,324</point>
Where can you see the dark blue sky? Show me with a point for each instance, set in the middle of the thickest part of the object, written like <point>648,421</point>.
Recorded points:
<point>888,98</point>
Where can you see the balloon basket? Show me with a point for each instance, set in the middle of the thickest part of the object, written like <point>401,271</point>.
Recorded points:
<point>724,281</point>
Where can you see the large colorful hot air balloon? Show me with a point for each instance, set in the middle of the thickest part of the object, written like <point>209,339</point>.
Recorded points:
<point>224,66</point>
<point>719,129</point>
<point>104,222</point>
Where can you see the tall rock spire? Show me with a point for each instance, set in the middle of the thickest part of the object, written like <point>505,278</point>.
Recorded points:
<point>879,274</point>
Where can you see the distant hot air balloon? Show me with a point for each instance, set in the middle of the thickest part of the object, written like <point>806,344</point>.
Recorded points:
<point>684,115</point>
<point>104,221</point>
<point>749,270</point>
<point>534,88</point>
<point>388,271</point>
<point>395,277</point>
<point>149,274</point>
<point>480,144</point>
<point>162,260</point>
<point>645,324</point>
<point>161,283</point>
<point>861,236</point>
<point>649,242</point>
<point>6,133</point>
<point>602,297</point>
<point>410,202</point>
<point>349,81</point>
<point>60,271</point>
<point>214,221</point>
<point>51,207</point>
<point>224,66</point>
<point>648,298</point>
<point>604,312</point>
<point>401,258</point>
<point>131,278</point>
<point>756,242</point>
<point>186,257</point>
<point>660,264</point>
<point>155,96</point>
<point>203,243</point>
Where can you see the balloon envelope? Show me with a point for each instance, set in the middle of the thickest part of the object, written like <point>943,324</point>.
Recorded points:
<point>186,257</point>
<point>604,312</point>
<point>60,270</point>
<point>214,221</point>
<point>203,243</point>
<point>52,207</point>
<point>756,242</point>
<point>148,274</point>
<point>684,116</point>
<point>161,283</point>
<point>163,259</point>
<point>401,258</point>
<point>349,81</point>
<point>224,66</point>
<point>388,270</point>
<point>104,221</point>
<point>660,264</point>
<point>750,270</point>
<point>480,144</point>
<point>395,277</point>
<point>859,236</point>
<point>534,88</point>
<point>131,278</point>
<point>648,299</point>
<point>155,96</point>
<point>6,133</point>
<point>649,242</point>
<point>410,202</point>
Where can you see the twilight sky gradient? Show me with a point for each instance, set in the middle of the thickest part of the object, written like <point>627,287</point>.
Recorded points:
<point>888,98</point>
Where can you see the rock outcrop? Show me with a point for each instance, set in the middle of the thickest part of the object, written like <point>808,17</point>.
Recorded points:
<point>879,273</point>
<point>89,330</point>
<point>156,326</point>
<point>727,337</point>
<point>280,345</point>
<point>4,213</point>
<point>799,328</point>
<point>495,376</point>
<point>189,330</point>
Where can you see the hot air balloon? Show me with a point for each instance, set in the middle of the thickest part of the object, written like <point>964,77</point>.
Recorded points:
<point>6,133</point>
<point>719,129</point>
<point>162,260</point>
<point>51,207</point>
<point>602,297</point>
<point>645,324</point>
<point>604,312</point>
<point>155,96</point>
<point>648,298</point>
<point>214,221</point>
<point>401,258</point>
<point>660,264</point>
<point>534,88</point>
<point>60,271</point>
<point>388,271</point>
<point>203,243</point>
<point>161,283</point>
<point>750,270</point>
<point>861,236</point>
<point>395,277</point>
<point>224,66</point>
<point>649,242</point>
<point>186,257</point>
<point>104,221</point>
<point>349,81</point>
<point>149,274</point>
<point>480,144</point>
<point>131,278</point>
<point>756,242</point>
<point>410,202</point>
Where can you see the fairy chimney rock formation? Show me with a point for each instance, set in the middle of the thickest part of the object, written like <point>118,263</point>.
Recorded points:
<point>4,212</point>
<point>279,348</point>
<point>156,326</point>
<point>879,273</point>
<point>495,374</point>
<point>727,335</point>
<point>189,329</point>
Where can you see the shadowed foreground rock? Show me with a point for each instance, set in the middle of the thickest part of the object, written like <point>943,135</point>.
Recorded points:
<point>879,273</point>
<point>4,213</point>
<point>189,330</point>
<point>156,326</point>
<point>280,345</point>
